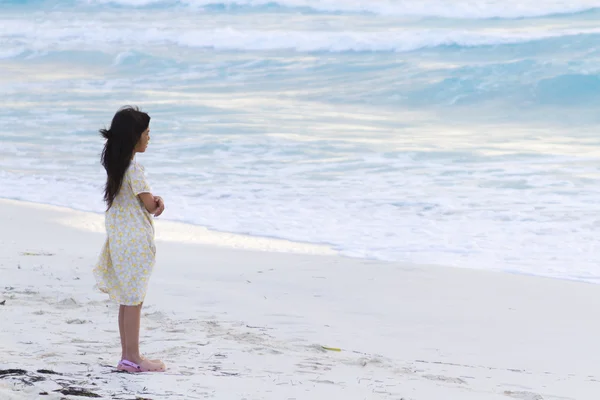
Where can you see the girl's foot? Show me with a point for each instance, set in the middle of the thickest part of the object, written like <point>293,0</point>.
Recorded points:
<point>159,362</point>
<point>154,361</point>
<point>143,366</point>
<point>144,358</point>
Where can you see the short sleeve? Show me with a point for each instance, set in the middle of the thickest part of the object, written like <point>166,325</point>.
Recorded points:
<point>137,180</point>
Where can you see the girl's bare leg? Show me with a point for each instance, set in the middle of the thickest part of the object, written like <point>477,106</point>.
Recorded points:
<point>122,330</point>
<point>131,333</point>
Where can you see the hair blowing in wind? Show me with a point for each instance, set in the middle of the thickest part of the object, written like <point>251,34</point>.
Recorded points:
<point>125,131</point>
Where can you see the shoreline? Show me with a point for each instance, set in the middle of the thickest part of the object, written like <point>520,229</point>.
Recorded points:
<point>184,232</point>
<point>233,323</point>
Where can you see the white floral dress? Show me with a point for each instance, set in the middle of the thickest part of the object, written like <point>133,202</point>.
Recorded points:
<point>127,258</point>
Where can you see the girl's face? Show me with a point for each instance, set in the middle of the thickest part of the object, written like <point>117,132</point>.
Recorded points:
<point>142,145</point>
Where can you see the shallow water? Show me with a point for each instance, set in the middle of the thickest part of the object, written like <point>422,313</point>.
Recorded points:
<point>452,133</point>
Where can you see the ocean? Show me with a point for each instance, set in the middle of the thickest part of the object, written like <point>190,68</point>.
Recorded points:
<point>456,133</point>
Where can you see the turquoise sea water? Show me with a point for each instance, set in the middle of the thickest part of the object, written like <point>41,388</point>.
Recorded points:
<point>460,133</point>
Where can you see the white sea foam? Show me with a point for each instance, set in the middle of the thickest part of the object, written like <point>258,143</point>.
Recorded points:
<point>105,35</point>
<point>362,150</point>
<point>424,8</point>
<point>451,208</point>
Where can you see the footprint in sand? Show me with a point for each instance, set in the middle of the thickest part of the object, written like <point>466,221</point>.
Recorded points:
<point>445,379</point>
<point>27,292</point>
<point>157,316</point>
<point>364,361</point>
<point>325,381</point>
<point>523,395</point>
<point>78,321</point>
<point>37,253</point>
<point>67,303</point>
<point>314,365</point>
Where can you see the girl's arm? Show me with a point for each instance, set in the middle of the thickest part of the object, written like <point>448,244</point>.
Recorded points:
<point>149,202</point>
<point>160,204</point>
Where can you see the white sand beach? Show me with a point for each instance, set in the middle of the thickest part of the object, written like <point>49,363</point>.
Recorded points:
<point>246,318</point>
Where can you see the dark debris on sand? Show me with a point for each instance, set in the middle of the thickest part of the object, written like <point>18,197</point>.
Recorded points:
<point>29,378</point>
<point>76,391</point>
<point>11,372</point>
<point>69,387</point>
<point>21,375</point>
<point>48,371</point>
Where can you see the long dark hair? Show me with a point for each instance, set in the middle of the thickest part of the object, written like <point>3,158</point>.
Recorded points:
<point>124,133</point>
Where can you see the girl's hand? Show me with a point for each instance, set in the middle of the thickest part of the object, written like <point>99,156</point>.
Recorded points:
<point>160,206</point>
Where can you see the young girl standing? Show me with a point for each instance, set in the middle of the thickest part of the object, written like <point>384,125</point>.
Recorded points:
<point>127,258</point>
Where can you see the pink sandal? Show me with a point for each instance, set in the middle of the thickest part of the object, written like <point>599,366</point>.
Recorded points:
<point>128,366</point>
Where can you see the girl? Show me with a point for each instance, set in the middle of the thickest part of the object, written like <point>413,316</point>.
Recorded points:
<point>127,257</point>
